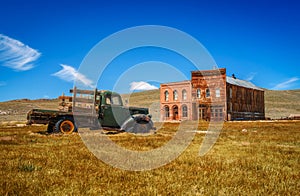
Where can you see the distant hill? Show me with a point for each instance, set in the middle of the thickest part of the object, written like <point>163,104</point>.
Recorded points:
<point>277,104</point>
<point>149,99</point>
<point>16,110</point>
<point>282,103</point>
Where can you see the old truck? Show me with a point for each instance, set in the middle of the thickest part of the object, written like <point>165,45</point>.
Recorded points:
<point>96,109</point>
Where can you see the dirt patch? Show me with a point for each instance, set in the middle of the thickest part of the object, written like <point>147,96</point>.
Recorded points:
<point>7,138</point>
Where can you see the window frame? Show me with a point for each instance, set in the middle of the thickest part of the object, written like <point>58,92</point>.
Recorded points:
<point>184,95</point>
<point>184,111</point>
<point>198,93</point>
<point>207,93</point>
<point>166,95</point>
<point>218,93</point>
<point>167,111</point>
<point>175,95</point>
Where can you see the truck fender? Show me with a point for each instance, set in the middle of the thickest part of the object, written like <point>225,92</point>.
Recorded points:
<point>138,124</point>
<point>128,125</point>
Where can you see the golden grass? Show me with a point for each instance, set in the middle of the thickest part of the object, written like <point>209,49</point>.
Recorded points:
<point>261,160</point>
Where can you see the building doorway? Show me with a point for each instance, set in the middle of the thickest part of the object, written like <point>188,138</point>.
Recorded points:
<point>167,113</point>
<point>202,112</point>
<point>175,112</point>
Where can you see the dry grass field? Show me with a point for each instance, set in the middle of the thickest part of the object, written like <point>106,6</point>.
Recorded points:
<point>261,160</point>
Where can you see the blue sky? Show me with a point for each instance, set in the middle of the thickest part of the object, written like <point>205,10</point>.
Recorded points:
<point>42,43</point>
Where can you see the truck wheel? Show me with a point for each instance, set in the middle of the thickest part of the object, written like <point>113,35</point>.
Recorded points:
<point>65,126</point>
<point>51,127</point>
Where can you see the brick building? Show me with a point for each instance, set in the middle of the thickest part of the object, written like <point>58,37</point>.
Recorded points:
<point>176,100</point>
<point>211,95</point>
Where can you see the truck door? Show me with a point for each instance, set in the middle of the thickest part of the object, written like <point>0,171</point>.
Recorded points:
<point>111,112</point>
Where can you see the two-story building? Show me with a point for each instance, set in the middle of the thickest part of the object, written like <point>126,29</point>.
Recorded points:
<point>211,95</point>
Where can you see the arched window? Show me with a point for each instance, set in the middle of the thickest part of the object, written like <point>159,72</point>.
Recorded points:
<point>184,95</point>
<point>175,95</point>
<point>198,93</point>
<point>184,111</point>
<point>207,92</point>
<point>166,96</point>
<point>167,111</point>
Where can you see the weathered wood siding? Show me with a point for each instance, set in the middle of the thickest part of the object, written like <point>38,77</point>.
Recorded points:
<point>244,103</point>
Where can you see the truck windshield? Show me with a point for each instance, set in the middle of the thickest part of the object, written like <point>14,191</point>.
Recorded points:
<point>114,100</point>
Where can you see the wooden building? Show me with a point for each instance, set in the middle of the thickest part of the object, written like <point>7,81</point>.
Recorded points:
<point>211,95</point>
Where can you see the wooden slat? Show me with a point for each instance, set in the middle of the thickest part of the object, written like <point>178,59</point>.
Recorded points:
<point>79,91</point>
<point>69,98</point>
<point>83,100</point>
<point>83,110</point>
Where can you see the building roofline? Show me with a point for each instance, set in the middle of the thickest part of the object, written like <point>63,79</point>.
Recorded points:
<point>178,82</point>
<point>242,83</point>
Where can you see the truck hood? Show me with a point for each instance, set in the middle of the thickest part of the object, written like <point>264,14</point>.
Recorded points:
<point>137,110</point>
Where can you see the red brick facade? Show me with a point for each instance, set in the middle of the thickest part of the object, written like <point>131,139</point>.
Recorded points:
<point>175,99</point>
<point>211,95</point>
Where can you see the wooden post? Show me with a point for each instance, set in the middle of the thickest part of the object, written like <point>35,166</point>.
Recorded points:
<point>95,100</point>
<point>74,97</point>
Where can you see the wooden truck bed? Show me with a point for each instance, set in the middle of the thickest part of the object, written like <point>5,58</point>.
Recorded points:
<point>42,116</point>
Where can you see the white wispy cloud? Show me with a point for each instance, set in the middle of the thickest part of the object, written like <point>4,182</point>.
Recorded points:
<point>70,74</point>
<point>286,84</point>
<point>251,76</point>
<point>16,55</point>
<point>141,86</point>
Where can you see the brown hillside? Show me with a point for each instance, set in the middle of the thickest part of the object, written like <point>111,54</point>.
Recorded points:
<point>16,110</point>
<point>282,103</point>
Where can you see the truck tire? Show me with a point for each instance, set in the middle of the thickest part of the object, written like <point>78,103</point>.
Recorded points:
<point>51,127</point>
<point>65,126</point>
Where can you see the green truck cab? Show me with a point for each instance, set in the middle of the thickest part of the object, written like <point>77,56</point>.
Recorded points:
<point>94,109</point>
<point>113,114</point>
